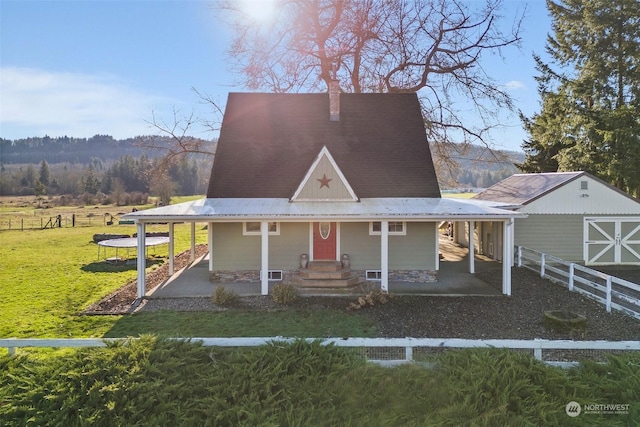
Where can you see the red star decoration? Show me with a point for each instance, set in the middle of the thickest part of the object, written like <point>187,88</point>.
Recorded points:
<point>324,181</point>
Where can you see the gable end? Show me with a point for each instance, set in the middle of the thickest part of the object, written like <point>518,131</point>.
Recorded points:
<point>324,181</point>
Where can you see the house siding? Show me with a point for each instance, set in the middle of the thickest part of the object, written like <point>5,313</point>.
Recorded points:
<point>363,249</point>
<point>234,251</point>
<point>413,251</point>
<point>491,239</point>
<point>558,235</point>
<point>416,250</point>
<point>335,188</point>
<point>596,199</point>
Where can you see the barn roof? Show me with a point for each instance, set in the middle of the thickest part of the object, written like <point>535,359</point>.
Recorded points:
<point>523,188</point>
<point>268,142</point>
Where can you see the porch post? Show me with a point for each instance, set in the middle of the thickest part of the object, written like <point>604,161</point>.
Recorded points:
<point>141,259</point>
<point>506,257</point>
<point>171,257</point>
<point>437,245</point>
<point>210,245</point>
<point>192,256</point>
<point>384,255</point>
<point>472,250</point>
<point>264,270</point>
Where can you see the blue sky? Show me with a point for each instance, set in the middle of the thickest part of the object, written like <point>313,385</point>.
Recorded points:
<point>80,68</point>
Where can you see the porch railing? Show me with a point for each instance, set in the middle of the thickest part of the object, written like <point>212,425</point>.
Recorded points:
<point>389,351</point>
<point>613,292</point>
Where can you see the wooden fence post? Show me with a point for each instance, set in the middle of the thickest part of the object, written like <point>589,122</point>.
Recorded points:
<point>572,271</point>
<point>537,353</point>
<point>608,294</point>
<point>408,353</point>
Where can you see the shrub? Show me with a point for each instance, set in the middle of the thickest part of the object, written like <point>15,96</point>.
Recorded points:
<point>223,297</point>
<point>369,300</point>
<point>284,294</point>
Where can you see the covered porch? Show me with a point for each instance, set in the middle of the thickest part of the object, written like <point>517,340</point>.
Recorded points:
<point>453,280</point>
<point>384,211</point>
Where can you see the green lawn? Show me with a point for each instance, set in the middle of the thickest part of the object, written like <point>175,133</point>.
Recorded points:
<point>49,276</point>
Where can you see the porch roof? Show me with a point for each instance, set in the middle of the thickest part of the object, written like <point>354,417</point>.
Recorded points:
<point>255,209</point>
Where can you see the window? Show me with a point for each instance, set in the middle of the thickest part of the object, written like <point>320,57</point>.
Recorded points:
<point>396,228</point>
<point>373,275</point>
<point>584,185</point>
<point>253,228</point>
<point>275,275</point>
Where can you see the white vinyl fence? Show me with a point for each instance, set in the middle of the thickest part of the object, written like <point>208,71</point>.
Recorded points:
<point>390,351</point>
<point>608,290</point>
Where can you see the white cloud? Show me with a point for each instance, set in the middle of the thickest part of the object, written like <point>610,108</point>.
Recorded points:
<point>514,85</point>
<point>36,102</point>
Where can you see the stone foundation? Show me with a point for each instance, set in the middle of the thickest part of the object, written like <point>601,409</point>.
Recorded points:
<point>412,276</point>
<point>223,276</point>
<point>251,276</point>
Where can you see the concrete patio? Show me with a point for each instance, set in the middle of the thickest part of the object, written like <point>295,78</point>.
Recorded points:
<point>453,280</point>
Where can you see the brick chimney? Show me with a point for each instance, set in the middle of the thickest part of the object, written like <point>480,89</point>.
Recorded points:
<point>334,100</point>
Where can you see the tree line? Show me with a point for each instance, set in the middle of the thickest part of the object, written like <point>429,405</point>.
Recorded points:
<point>101,168</point>
<point>65,149</point>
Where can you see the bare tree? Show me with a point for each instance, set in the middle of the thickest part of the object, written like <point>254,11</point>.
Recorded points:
<point>433,47</point>
<point>178,141</point>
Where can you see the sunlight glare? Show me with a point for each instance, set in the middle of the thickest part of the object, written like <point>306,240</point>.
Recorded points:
<point>258,10</point>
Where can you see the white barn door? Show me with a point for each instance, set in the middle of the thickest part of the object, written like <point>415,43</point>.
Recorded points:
<point>612,240</point>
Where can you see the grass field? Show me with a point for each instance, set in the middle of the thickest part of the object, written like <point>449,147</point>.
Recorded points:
<point>49,276</point>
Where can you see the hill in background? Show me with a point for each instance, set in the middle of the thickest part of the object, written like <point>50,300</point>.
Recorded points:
<point>478,167</point>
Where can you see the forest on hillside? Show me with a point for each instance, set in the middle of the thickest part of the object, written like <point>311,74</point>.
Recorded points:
<point>102,169</point>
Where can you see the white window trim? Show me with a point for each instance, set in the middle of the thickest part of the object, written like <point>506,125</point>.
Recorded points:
<point>272,273</point>
<point>376,275</point>
<point>258,233</point>
<point>391,233</point>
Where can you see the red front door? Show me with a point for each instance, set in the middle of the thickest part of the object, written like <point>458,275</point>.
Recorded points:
<point>324,240</point>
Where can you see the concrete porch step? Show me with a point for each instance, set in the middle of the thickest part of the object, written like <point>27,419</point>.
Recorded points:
<point>325,283</point>
<point>328,275</point>
<point>324,265</point>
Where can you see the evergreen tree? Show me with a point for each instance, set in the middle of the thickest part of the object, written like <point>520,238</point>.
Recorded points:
<point>590,101</point>
<point>39,189</point>
<point>44,173</point>
<point>91,184</point>
<point>29,178</point>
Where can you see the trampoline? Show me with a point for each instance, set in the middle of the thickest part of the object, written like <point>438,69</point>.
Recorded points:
<point>127,243</point>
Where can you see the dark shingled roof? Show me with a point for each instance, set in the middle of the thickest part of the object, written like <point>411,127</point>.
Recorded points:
<point>268,142</point>
<point>523,188</point>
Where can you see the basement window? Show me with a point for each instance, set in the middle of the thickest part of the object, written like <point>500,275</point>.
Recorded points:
<point>274,275</point>
<point>373,275</point>
<point>396,228</point>
<point>252,228</point>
